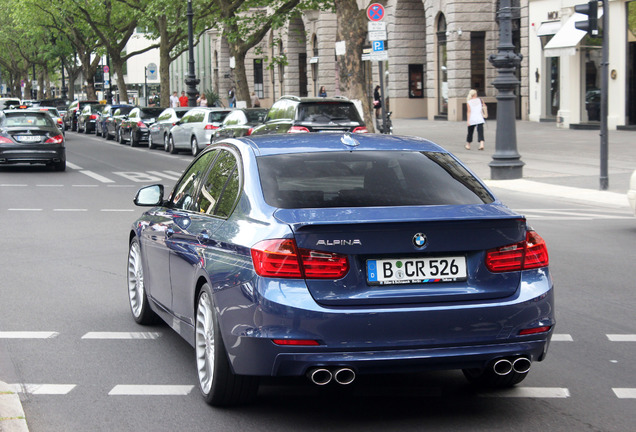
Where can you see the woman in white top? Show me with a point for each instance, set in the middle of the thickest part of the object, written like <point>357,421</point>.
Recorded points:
<point>203,101</point>
<point>475,118</point>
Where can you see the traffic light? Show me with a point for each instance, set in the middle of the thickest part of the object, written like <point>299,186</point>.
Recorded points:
<point>591,25</point>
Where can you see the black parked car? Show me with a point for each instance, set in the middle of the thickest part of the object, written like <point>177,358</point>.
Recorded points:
<point>135,126</point>
<point>30,136</point>
<point>73,111</point>
<point>292,114</point>
<point>87,117</point>
<point>240,122</point>
<point>112,118</point>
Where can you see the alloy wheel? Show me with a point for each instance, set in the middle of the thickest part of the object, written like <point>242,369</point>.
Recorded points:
<point>204,346</point>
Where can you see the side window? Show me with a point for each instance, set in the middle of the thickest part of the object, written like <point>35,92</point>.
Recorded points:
<point>290,112</point>
<point>200,117</point>
<point>220,190</point>
<point>164,116</point>
<point>183,195</point>
<point>133,114</point>
<point>232,118</point>
<point>187,118</point>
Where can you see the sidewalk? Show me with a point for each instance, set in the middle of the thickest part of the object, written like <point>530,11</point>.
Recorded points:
<point>558,162</point>
<point>12,417</point>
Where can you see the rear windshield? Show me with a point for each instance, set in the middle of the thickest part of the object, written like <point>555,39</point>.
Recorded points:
<point>327,112</point>
<point>146,113</point>
<point>217,116</point>
<point>26,119</point>
<point>367,179</point>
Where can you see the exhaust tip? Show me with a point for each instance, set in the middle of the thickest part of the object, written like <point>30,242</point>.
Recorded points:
<point>502,367</point>
<point>521,365</point>
<point>320,376</point>
<point>344,376</point>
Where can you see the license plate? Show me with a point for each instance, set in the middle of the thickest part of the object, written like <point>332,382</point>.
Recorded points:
<point>29,138</point>
<point>416,270</point>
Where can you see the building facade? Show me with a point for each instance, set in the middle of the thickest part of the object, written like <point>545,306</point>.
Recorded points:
<point>437,51</point>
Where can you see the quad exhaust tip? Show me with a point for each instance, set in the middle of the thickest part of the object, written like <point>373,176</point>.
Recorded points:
<point>323,376</point>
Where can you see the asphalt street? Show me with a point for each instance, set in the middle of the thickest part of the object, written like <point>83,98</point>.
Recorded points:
<point>560,185</point>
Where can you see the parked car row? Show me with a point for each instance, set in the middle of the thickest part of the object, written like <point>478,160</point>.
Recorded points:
<point>193,128</point>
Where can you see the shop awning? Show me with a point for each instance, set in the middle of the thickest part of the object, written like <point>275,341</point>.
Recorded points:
<point>549,28</point>
<point>566,40</point>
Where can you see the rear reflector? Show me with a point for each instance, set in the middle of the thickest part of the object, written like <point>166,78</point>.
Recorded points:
<point>210,127</point>
<point>528,254</point>
<point>296,342</point>
<point>535,330</point>
<point>297,129</point>
<point>360,129</point>
<point>281,258</point>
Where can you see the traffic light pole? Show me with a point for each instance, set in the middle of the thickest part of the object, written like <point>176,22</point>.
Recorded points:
<point>604,178</point>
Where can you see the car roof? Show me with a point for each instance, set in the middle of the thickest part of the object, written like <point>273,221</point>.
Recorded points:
<point>266,145</point>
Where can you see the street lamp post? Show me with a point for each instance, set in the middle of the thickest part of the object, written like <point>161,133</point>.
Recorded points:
<point>191,79</point>
<point>506,161</point>
<point>64,89</point>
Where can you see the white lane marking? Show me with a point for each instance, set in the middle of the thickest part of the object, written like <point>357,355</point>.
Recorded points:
<point>70,210</point>
<point>562,338</point>
<point>43,389</point>
<point>531,392</point>
<point>166,174</point>
<point>13,185</point>
<point>122,335</point>
<point>85,186</point>
<point>117,210</point>
<point>622,337</point>
<point>26,209</point>
<point>28,334</point>
<point>97,176</point>
<point>49,185</point>
<point>625,393</point>
<point>150,390</point>
<point>73,166</point>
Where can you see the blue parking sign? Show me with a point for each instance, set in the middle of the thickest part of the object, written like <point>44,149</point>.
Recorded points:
<point>378,45</point>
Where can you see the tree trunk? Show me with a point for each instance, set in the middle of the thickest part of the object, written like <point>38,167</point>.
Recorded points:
<point>352,28</point>
<point>240,76</point>
<point>41,83</point>
<point>164,61</point>
<point>118,66</point>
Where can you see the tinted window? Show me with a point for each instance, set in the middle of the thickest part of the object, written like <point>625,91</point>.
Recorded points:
<point>124,110</point>
<point>183,194</point>
<point>327,112</point>
<point>256,116</point>
<point>367,179</point>
<point>220,189</point>
<point>166,115</point>
<point>217,116</point>
<point>233,118</point>
<point>147,113</point>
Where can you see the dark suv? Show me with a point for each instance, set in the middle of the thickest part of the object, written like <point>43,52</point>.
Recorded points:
<point>292,114</point>
<point>73,111</point>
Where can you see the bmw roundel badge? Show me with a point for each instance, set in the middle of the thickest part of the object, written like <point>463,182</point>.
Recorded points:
<point>419,240</point>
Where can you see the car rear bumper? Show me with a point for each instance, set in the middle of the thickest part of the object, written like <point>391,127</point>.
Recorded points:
<point>16,156</point>
<point>385,339</point>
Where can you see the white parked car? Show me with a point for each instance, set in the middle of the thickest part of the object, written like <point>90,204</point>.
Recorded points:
<point>631,193</point>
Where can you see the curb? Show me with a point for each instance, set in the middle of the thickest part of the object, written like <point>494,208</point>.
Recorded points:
<point>12,418</point>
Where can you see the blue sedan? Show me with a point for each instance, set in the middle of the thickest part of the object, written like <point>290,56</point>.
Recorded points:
<point>332,256</point>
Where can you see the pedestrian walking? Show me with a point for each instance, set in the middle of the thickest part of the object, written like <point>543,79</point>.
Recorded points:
<point>183,100</point>
<point>202,101</point>
<point>377,102</point>
<point>476,111</point>
<point>174,100</point>
<point>231,97</point>
<point>322,92</point>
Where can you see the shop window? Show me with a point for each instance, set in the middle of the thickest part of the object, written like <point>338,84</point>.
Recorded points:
<point>416,81</point>
<point>258,78</point>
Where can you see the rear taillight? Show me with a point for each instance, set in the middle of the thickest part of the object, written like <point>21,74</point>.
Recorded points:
<point>5,140</point>
<point>281,258</point>
<point>249,131</point>
<point>141,124</point>
<point>297,129</point>
<point>210,127</point>
<point>528,254</point>
<point>58,139</point>
<point>93,117</point>
<point>360,129</point>
<point>535,330</point>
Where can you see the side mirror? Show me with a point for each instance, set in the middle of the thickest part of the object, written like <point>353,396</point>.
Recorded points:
<point>149,196</point>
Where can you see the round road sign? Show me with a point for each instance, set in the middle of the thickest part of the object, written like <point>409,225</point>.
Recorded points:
<point>375,12</point>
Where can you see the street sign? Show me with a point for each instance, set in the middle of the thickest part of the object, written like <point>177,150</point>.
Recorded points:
<point>377,36</point>
<point>376,56</point>
<point>378,45</point>
<point>106,69</point>
<point>375,12</point>
<point>152,71</point>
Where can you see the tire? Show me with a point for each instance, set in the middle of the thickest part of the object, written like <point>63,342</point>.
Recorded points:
<point>171,147</point>
<point>166,144</point>
<point>218,384</point>
<point>151,144</point>
<point>487,378</point>
<point>59,166</point>
<point>105,133</point>
<point>137,298</point>
<point>194,145</point>
<point>120,137</point>
<point>133,140</point>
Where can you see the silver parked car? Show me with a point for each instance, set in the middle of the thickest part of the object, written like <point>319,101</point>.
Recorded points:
<point>194,131</point>
<point>161,129</point>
